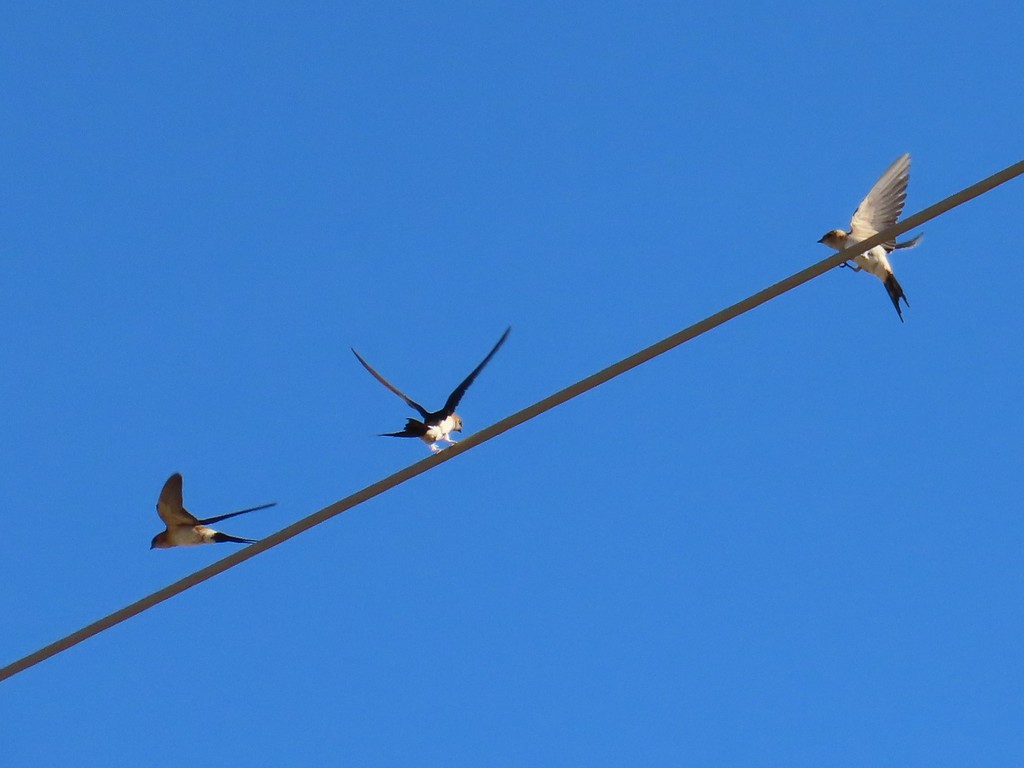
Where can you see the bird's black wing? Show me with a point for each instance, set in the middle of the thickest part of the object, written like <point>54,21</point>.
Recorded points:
<point>453,399</point>
<point>218,518</point>
<point>410,402</point>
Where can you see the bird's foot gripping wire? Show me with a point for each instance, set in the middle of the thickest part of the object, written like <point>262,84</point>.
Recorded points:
<point>850,265</point>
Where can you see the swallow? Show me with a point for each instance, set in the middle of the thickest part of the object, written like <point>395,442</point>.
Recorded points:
<point>439,425</point>
<point>183,528</point>
<point>876,212</point>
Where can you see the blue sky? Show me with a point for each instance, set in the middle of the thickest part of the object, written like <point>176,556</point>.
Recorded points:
<point>794,541</point>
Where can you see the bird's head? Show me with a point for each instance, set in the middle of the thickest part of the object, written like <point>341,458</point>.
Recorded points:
<point>834,238</point>
<point>457,423</point>
<point>160,541</point>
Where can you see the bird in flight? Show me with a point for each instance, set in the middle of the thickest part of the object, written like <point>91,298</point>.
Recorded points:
<point>183,528</point>
<point>876,212</point>
<point>439,425</point>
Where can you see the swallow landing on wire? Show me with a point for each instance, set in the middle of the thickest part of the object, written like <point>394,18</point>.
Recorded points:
<point>876,212</point>
<point>183,528</point>
<point>439,425</point>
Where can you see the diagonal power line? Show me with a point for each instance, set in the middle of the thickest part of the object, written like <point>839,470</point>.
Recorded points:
<point>500,427</point>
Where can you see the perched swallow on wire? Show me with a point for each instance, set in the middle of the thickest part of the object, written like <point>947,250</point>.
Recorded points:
<point>439,425</point>
<point>876,212</point>
<point>183,528</point>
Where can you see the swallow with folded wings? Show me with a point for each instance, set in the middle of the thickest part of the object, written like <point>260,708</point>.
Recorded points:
<point>183,528</point>
<point>439,425</point>
<point>876,212</point>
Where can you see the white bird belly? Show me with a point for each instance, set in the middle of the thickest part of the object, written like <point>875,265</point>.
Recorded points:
<point>440,431</point>
<point>874,261</point>
<point>187,535</point>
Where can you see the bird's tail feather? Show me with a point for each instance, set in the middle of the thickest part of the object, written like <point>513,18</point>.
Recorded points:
<point>895,291</point>
<point>413,428</point>
<point>218,518</point>
<point>222,537</point>
<point>910,243</point>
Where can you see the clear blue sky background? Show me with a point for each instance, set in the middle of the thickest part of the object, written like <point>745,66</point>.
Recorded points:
<point>795,541</point>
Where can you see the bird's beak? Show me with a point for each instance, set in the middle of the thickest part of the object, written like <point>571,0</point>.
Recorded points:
<point>822,240</point>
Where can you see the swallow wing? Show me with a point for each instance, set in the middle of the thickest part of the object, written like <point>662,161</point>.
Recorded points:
<point>453,399</point>
<point>218,518</point>
<point>884,203</point>
<point>170,507</point>
<point>410,402</point>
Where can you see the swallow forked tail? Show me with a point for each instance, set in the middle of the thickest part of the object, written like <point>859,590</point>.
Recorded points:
<point>222,537</point>
<point>914,241</point>
<point>895,290</point>
<point>218,518</point>
<point>413,428</point>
